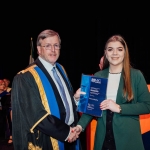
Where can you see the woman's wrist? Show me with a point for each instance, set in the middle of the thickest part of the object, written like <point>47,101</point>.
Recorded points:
<point>120,110</point>
<point>79,127</point>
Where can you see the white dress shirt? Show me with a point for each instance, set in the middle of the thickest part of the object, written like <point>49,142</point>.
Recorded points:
<point>49,68</point>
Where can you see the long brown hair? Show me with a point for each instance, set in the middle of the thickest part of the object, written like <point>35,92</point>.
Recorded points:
<point>127,90</point>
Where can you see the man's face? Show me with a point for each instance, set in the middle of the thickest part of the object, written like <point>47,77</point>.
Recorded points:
<point>49,50</point>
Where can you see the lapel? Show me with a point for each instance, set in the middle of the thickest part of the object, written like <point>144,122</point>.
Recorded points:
<point>68,84</point>
<point>56,92</point>
<point>119,99</point>
<point>64,76</point>
<point>57,95</point>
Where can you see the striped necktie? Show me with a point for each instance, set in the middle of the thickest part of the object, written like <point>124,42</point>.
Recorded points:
<point>62,91</point>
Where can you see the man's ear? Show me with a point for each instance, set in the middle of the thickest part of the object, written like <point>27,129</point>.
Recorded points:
<point>38,49</point>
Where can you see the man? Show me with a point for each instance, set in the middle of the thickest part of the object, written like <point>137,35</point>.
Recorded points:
<point>39,109</point>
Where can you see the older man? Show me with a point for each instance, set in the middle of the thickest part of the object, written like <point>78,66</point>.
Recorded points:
<point>43,106</point>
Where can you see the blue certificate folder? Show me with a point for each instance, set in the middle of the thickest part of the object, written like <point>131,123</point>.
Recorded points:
<point>95,89</point>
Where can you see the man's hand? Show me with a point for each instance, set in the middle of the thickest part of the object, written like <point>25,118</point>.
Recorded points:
<point>75,132</point>
<point>78,93</point>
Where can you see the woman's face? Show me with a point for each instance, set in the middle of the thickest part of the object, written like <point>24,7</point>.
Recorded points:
<point>115,53</point>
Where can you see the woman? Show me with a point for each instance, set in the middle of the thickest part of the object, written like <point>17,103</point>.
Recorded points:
<point>127,97</point>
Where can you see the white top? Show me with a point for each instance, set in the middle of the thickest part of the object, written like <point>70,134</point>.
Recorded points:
<point>112,86</point>
<point>49,68</point>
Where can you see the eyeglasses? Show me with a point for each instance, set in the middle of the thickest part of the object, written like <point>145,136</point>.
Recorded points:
<point>49,46</point>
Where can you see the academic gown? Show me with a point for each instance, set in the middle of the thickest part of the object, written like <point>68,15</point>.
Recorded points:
<point>38,112</point>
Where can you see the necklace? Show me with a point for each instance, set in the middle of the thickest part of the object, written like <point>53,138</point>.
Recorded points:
<point>115,73</point>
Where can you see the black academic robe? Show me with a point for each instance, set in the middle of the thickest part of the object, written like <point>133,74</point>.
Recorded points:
<point>34,125</point>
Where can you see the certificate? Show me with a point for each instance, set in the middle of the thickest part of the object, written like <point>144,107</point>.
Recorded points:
<point>95,89</point>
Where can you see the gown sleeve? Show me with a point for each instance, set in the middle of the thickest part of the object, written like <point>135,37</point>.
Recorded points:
<point>28,111</point>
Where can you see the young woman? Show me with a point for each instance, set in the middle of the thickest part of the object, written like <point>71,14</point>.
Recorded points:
<point>127,97</point>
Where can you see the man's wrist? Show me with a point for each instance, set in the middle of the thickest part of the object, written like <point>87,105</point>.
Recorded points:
<point>76,98</point>
<point>68,134</point>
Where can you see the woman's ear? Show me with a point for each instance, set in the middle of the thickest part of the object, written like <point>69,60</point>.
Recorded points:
<point>105,54</point>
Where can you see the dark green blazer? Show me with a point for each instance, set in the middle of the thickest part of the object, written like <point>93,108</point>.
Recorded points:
<point>126,126</point>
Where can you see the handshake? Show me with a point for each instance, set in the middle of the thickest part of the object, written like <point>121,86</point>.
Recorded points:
<point>74,133</point>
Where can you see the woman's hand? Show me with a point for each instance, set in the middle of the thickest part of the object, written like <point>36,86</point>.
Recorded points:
<point>111,105</point>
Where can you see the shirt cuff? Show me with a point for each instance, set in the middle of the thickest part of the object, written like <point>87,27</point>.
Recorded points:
<point>76,100</point>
